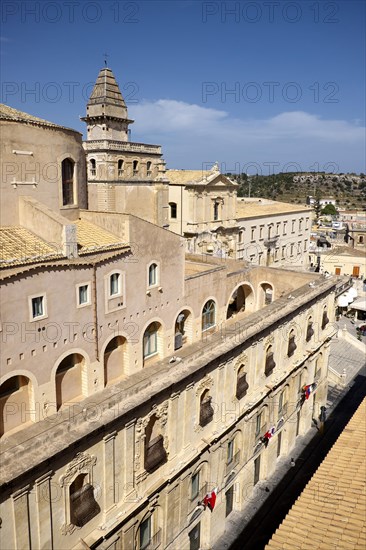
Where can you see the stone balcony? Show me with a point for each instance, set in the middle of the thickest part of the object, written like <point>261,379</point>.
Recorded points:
<point>123,146</point>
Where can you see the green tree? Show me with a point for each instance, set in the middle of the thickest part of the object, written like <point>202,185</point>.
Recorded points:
<point>329,210</point>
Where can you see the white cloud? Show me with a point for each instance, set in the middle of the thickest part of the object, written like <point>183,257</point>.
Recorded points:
<point>191,135</point>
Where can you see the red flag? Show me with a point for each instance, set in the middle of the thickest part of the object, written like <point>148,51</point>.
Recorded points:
<point>210,499</point>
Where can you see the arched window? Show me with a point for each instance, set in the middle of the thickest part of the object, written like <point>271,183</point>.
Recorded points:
<point>15,401</point>
<point>173,210</point>
<point>149,535</point>
<point>120,168</point>
<point>291,344</point>
<point>182,329</point>
<point>83,506</point>
<point>155,453</point>
<point>206,410</point>
<point>92,166</point>
<point>153,274</point>
<point>148,168</point>
<point>69,379</point>
<point>135,167</point>
<point>150,341</point>
<point>309,330</point>
<point>325,318</point>
<point>114,359</point>
<point>270,363</point>
<point>67,182</point>
<point>208,315</point>
<point>241,383</point>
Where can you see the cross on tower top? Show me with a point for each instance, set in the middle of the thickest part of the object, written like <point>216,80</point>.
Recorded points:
<point>105,58</point>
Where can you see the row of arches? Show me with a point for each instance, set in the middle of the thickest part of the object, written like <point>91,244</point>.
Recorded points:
<point>121,167</point>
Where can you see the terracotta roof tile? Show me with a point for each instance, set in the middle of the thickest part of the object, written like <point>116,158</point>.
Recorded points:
<point>332,507</point>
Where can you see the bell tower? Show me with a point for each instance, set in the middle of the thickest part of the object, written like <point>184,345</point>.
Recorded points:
<point>106,111</point>
<point>123,176</point>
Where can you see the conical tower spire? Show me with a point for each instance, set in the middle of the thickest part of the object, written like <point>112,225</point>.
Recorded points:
<point>106,111</point>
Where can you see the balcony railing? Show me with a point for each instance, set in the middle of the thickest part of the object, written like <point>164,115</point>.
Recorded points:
<point>201,494</point>
<point>309,332</point>
<point>270,364</point>
<point>325,320</point>
<point>233,462</point>
<point>154,542</point>
<point>206,413</point>
<point>241,387</point>
<point>155,454</point>
<point>291,347</point>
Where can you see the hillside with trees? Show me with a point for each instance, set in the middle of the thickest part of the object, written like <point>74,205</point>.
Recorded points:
<point>349,190</point>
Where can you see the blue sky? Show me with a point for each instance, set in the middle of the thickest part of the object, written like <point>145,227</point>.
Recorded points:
<point>261,87</point>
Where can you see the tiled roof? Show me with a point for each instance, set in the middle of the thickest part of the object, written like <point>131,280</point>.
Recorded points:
<point>19,245</point>
<point>91,237</point>
<point>186,176</point>
<point>8,113</point>
<point>266,208</point>
<point>331,511</point>
<point>106,90</point>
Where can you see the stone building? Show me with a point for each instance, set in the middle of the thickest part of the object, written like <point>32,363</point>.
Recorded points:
<point>136,379</point>
<point>205,209</point>
<point>123,176</point>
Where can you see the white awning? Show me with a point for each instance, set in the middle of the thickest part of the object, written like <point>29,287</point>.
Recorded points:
<point>360,304</point>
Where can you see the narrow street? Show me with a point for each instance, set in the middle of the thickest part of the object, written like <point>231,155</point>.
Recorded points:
<point>262,526</point>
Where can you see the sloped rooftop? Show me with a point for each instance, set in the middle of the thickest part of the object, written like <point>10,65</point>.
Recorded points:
<point>19,245</point>
<point>331,511</point>
<point>106,90</point>
<point>8,113</point>
<point>91,237</point>
<point>253,209</point>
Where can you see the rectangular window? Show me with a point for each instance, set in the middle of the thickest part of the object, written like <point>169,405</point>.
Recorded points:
<point>293,226</point>
<point>114,284</point>
<point>278,228</point>
<point>252,233</point>
<point>305,245</point>
<point>37,307</point>
<point>261,231</point>
<point>230,451</point>
<point>145,533</point>
<point>83,295</point>
<point>229,500</point>
<point>195,485</point>
<point>195,537</point>
<point>307,223</point>
<point>258,424</point>
<point>300,225</point>
<point>284,228</point>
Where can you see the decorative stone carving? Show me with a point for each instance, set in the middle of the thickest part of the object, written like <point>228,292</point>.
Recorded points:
<point>82,463</point>
<point>205,384</point>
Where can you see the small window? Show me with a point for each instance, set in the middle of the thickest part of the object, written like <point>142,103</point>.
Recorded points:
<point>120,168</point>
<point>241,384</point>
<point>270,362</point>
<point>37,307</point>
<point>230,452</point>
<point>252,233</point>
<point>83,294</point>
<point>150,342</point>
<point>291,344</point>
<point>284,228</point>
<point>216,211</point>
<point>115,284</point>
<point>206,410</point>
<point>153,274</point>
<point>325,319</point>
<point>173,210</point>
<point>208,315</point>
<point>93,169</point>
<point>145,533</point>
<point>135,167</point>
<point>258,424</point>
<point>67,170</point>
<point>229,501</point>
<point>195,485</point>
<point>148,168</point>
